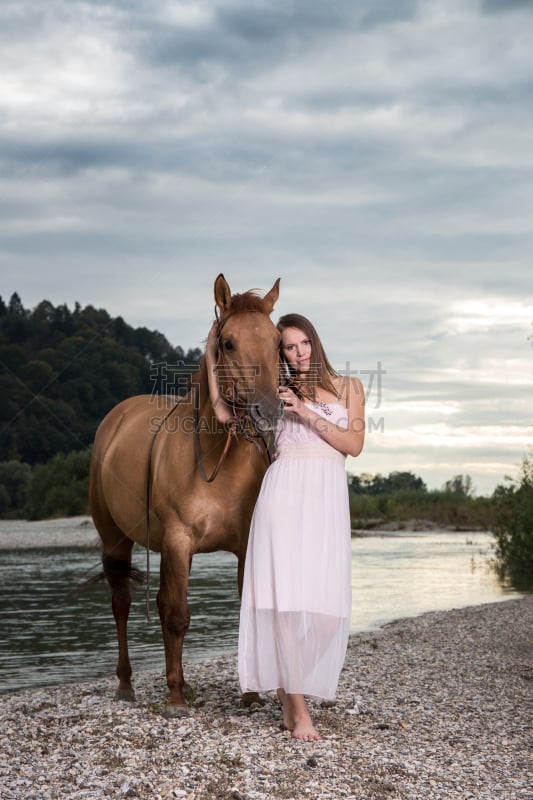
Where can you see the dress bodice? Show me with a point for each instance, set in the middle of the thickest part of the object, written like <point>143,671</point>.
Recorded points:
<point>291,430</point>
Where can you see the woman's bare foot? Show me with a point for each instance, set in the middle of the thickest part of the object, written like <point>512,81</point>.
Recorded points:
<point>288,719</point>
<point>306,731</point>
<point>296,717</point>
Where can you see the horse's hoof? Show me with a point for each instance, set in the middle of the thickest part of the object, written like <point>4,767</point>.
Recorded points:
<point>175,712</point>
<point>249,699</point>
<point>126,695</point>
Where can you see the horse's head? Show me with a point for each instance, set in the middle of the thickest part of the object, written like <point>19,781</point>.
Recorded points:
<point>248,349</point>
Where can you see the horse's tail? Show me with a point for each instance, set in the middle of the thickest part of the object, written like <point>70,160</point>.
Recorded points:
<point>113,567</point>
<point>118,568</point>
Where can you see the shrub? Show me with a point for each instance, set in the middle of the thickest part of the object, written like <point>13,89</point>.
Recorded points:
<point>59,488</point>
<point>15,479</point>
<point>514,528</point>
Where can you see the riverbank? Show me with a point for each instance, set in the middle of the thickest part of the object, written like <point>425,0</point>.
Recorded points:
<point>373,525</point>
<point>437,707</point>
<point>80,531</point>
<point>18,534</point>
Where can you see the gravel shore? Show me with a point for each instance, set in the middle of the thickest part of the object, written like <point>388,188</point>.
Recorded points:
<point>20,534</point>
<point>434,707</point>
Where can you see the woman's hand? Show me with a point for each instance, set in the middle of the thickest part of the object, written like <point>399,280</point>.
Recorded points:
<point>347,438</point>
<point>290,401</point>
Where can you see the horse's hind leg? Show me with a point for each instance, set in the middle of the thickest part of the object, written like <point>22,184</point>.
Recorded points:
<point>174,614</point>
<point>116,561</point>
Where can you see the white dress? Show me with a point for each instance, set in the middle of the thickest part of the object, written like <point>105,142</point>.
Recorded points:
<point>296,601</point>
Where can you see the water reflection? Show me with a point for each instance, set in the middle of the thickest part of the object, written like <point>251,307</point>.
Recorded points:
<point>408,573</point>
<point>52,635</point>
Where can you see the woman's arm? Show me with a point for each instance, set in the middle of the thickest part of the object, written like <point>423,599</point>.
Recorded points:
<point>348,440</point>
<point>222,412</point>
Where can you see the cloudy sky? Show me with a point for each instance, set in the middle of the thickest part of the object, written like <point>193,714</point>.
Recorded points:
<point>375,154</point>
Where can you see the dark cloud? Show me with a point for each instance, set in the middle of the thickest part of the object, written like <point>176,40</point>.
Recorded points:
<point>295,21</point>
<point>246,37</point>
<point>385,12</point>
<point>60,156</point>
<point>503,6</point>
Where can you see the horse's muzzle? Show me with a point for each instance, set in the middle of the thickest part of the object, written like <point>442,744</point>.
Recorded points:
<point>265,415</point>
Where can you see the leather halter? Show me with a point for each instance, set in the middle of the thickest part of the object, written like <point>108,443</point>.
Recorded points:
<point>240,424</point>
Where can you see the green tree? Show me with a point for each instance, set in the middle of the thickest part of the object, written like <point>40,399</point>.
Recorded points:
<point>60,487</point>
<point>379,485</point>
<point>514,527</point>
<point>62,371</point>
<point>404,481</point>
<point>15,479</point>
<point>459,485</point>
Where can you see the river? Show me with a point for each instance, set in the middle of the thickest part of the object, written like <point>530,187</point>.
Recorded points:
<point>54,634</point>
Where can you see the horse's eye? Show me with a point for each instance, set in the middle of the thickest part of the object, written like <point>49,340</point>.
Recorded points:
<point>228,345</point>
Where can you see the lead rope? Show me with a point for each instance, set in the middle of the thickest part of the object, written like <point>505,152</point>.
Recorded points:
<point>232,432</point>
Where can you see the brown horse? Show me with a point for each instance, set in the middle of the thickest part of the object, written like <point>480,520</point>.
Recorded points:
<point>152,467</point>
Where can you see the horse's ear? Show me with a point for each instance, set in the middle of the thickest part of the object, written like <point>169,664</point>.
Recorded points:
<point>270,299</point>
<point>222,294</point>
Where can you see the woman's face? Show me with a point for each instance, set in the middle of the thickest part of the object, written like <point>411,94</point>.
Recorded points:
<point>296,349</point>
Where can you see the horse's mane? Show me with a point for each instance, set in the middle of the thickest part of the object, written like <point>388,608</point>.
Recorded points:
<point>248,301</point>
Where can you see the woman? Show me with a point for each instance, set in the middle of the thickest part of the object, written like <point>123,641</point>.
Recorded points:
<point>296,601</point>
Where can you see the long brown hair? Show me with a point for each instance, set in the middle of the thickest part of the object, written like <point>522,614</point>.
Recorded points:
<point>321,372</point>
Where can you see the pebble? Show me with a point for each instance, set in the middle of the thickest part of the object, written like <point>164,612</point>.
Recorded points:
<point>435,707</point>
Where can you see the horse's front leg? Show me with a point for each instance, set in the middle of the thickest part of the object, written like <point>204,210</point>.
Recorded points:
<point>174,615</point>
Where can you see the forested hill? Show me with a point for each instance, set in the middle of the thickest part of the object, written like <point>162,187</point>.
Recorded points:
<point>62,370</point>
